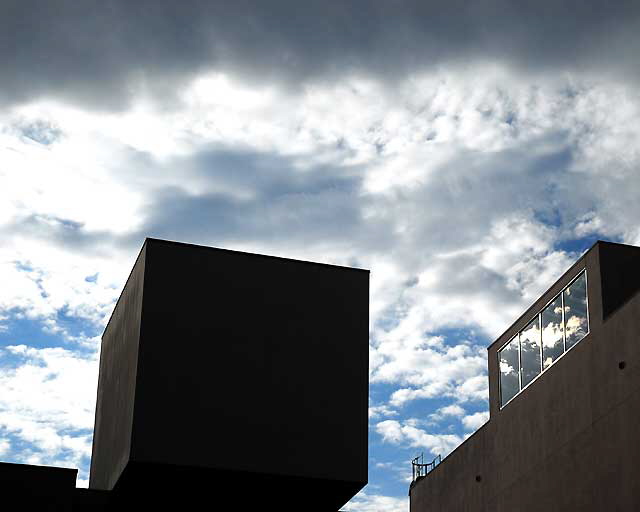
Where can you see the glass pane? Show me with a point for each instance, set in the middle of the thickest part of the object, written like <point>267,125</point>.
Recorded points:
<point>509,381</point>
<point>530,351</point>
<point>552,331</point>
<point>575,311</point>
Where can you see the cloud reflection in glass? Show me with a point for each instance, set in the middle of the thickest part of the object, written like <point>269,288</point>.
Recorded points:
<point>554,330</point>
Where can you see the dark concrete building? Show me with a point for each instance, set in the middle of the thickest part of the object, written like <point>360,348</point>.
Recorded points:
<point>229,381</point>
<point>37,487</point>
<point>564,384</point>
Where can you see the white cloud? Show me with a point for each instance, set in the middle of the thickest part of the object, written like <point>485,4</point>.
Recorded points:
<point>365,502</point>
<point>455,188</point>
<point>448,411</point>
<point>41,280</point>
<point>431,368</point>
<point>487,284</point>
<point>476,420</point>
<point>5,446</point>
<point>70,179</point>
<point>451,164</point>
<point>375,411</point>
<point>475,388</point>
<point>48,401</point>
<point>397,432</point>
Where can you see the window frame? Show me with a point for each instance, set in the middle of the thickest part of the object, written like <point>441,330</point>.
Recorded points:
<point>586,296</point>
<point>564,338</point>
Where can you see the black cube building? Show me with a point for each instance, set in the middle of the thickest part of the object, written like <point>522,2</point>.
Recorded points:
<point>229,378</point>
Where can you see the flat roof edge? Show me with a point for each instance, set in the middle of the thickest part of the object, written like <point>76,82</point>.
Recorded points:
<point>561,278</point>
<point>235,251</point>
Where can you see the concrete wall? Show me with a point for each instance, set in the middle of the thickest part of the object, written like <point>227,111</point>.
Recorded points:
<point>117,383</point>
<point>570,440</point>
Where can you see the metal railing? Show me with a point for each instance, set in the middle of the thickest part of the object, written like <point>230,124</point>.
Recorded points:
<point>420,469</point>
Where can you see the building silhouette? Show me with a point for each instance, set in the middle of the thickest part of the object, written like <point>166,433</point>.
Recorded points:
<point>564,381</point>
<point>238,381</point>
<point>228,381</point>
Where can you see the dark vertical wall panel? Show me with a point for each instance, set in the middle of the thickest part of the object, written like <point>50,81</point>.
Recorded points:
<point>620,275</point>
<point>117,383</point>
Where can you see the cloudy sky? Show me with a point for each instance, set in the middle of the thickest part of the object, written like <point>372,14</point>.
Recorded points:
<point>465,152</point>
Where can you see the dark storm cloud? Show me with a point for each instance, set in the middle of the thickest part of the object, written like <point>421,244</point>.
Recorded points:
<point>64,233</point>
<point>241,196</point>
<point>266,199</point>
<point>102,52</point>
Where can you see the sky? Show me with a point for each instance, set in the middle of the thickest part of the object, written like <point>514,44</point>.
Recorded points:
<point>465,152</point>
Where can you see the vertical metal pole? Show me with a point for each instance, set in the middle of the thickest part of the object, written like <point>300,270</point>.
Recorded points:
<point>564,327</point>
<point>519,364</point>
<point>586,298</point>
<point>540,327</point>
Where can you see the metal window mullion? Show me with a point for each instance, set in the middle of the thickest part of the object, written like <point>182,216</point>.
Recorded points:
<point>586,298</point>
<point>519,364</point>
<point>564,327</point>
<point>500,404</point>
<point>540,329</point>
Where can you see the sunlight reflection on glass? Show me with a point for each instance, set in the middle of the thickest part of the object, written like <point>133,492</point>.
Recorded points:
<point>575,311</point>
<point>558,327</point>
<point>509,367</point>
<point>530,351</point>
<point>552,332</point>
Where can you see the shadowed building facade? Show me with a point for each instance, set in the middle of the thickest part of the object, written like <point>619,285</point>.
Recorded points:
<point>233,379</point>
<point>564,403</point>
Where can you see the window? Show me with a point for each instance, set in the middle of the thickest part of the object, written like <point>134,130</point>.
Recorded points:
<point>575,311</point>
<point>553,331</point>
<point>530,352</point>
<point>509,373</point>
